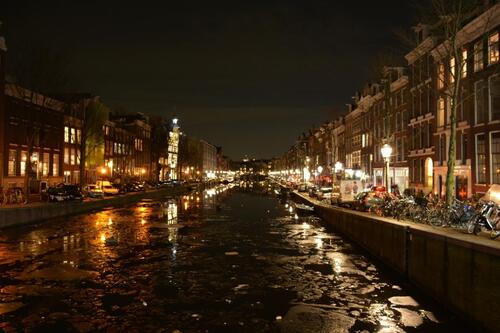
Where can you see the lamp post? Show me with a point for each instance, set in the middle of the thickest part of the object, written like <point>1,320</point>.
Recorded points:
<point>386,151</point>
<point>338,169</point>
<point>320,170</point>
<point>306,166</point>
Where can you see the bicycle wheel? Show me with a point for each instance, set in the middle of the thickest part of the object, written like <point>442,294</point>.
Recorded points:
<point>435,220</point>
<point>473,225</point>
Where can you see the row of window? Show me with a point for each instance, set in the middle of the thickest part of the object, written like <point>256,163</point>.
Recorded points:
<point>493,57</point>
<point>71,156</point>
<point>481,158</point>
<point>110,131</point>
<point>72,135</point>
<point>40,163</point>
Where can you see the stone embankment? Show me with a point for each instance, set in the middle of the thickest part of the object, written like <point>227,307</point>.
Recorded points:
<point>21,215</point>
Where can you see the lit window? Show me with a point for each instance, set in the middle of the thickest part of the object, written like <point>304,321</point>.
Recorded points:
<point>12,162</point>
<point>66,155</point>
<point>73,135</point>
<point>66,134</point>
<point>440,75</point>
<point>464,64</point>
<point>55,165</point>
<point>452,70</point>
<point>45,164</point>
<point>72,156</point>
<point>478,56</point>
<point>441,111</point>
<point>78,136</point>
<point>24,158</point>
<point>493,52</point>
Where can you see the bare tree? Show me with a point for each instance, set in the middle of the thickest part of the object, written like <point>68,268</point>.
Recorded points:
<point>37,70</point>
<point>451,17</point>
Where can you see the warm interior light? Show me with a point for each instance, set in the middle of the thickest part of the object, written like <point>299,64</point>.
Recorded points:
<point>386,151</point>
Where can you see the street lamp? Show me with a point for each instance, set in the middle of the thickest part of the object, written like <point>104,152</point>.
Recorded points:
<point>338,166</point>
<point>386,151</point>
<point>320,170</point>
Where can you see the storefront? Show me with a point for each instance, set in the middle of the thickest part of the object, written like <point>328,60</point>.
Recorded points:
<point>463,181</point>
<point>397,176</point>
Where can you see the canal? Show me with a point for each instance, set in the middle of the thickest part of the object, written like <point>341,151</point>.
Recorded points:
<point>226,259</point>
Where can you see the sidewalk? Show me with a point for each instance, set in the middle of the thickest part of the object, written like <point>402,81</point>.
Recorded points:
<point>483,239</point>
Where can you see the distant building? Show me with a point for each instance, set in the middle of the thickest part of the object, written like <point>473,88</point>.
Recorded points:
<point>173,150</point>
<point>209,153</point>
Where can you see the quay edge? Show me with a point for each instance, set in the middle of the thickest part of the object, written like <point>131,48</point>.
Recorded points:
<point>18,216</point>
<point>457,270</point>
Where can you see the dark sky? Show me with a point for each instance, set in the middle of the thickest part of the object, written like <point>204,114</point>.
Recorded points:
<point>247,75</point>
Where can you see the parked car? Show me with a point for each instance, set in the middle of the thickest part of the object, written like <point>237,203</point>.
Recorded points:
<point>106,187</point>
<point>131,187</point>
<point>64,192</point>
<point>139,185</point>
<point>92,191</point>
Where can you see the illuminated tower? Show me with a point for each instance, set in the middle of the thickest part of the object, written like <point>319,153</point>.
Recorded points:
<point>173,149</point>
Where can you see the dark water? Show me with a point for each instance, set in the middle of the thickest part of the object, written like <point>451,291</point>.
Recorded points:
<point>223,260</point>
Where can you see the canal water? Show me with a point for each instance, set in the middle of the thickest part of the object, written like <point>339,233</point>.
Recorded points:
<point>226,259</point>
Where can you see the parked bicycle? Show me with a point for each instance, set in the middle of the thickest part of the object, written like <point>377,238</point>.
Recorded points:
<point>487,218</point>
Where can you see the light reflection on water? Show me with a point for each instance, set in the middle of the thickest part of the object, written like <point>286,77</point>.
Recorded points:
<point>317,266</point>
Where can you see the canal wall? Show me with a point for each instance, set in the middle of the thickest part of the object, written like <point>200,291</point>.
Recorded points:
<point>16,216</point>
<point>460,271</point>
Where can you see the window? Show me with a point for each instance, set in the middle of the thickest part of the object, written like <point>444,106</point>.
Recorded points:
<point>399,149</point>
<point>55,165</point>
<point>73,135</point>
<point>452,70</point>
<point>493,53</point>
<point>480,91</point>
<point>364,140</point>
<point>77,156</point>
<point>12,162</point>
<point>72,156</point>
<point>78,136</point>
<point>478,56</point>
<point>494,97</point>
<point>441,111</point>
<point>464,148</point>
<point>440,75</point>
<point>464,64</point>
<point>45,164</point>
<point>66,134</point>
<point>24,158</point>
<point>66,155</point>
<point>495,158</point>
<point>444,153</point>
<point>480,159</point>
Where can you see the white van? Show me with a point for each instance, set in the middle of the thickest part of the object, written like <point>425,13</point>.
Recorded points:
<point>106,187</point>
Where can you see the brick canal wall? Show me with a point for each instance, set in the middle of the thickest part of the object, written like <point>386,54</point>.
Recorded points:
<point>10,217</point>
<point>460,271</point>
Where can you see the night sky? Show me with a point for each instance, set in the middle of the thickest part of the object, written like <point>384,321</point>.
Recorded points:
<point>247,75</point>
